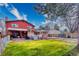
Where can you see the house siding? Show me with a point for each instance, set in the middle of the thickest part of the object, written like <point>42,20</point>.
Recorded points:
<point>20,25</point>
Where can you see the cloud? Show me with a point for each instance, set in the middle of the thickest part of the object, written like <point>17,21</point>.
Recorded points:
<point>6,4</point>
<point>14,11</point>
<point>45,22</point>
<point>24,17</point>
<point>45,15</point>
<point>1,4</point>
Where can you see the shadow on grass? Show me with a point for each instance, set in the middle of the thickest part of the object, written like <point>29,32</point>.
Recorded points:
<point>73,52</point>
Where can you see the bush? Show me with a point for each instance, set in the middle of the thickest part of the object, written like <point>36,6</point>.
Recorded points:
<point>37,48</point>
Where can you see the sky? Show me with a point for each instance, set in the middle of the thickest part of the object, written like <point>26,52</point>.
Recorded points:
<point>24,9</point>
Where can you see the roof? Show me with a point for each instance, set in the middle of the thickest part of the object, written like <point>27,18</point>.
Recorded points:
<point>38,30</point>
<point>54,32</point>
<point>19,20</point>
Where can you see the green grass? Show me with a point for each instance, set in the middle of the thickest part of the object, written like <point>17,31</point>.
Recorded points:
<point>38,48</point>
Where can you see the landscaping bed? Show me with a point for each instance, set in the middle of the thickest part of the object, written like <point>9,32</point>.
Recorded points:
<point>38,48</point>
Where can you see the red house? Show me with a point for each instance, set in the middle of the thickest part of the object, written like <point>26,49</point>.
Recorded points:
<point>18,28</point>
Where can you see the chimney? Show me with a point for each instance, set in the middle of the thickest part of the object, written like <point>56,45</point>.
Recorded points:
<point>6,18</point>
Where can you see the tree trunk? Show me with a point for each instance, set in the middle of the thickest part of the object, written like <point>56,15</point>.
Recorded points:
<point>78,39</point>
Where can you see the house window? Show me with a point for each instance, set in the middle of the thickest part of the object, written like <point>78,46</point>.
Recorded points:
<point>14,25</point>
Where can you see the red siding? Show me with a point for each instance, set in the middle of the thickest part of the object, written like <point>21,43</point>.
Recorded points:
<point>21,24</point>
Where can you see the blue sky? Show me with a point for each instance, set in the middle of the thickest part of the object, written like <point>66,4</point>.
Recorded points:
<point>24,8</point>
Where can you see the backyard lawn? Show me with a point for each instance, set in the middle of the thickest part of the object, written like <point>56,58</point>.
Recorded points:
<point>38,48</point>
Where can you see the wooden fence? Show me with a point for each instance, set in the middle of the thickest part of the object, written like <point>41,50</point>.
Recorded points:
<point>3,42</point>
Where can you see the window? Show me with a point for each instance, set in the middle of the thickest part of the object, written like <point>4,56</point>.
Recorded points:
<point>50,35</point>
<point>14,25</point>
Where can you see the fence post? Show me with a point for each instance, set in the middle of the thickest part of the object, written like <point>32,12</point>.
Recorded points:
<point>1,46</point>
<point>3,42</point>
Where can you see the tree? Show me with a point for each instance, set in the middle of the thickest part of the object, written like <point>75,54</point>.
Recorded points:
<point>64,10</point>
<point>53,10</point>
<point>68,11</point>
<point>56,27</point>
<point>41,27</point>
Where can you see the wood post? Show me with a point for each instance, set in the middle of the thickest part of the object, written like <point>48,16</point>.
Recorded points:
<point>21,34</point>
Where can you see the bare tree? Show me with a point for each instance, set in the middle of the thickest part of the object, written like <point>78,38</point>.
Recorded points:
<point>68,11</point>
<point>71,18</point>
<point>53,10</point>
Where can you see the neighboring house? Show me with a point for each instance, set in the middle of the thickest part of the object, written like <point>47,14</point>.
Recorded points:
<point>72,35</point>
<point>18,28</point>
<point>53,33</point>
